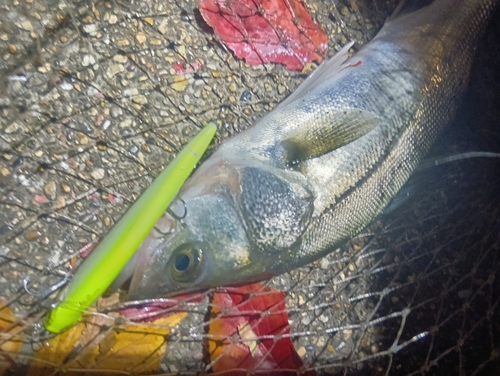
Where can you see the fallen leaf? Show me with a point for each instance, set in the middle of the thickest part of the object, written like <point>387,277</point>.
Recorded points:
<point>248,337</point>
<point>100,342</point>
<point>249,330</point>
<point>263,31</point>
<point>51,355</point>
<point>186,68</point>
<point>10,344</point>
<point>134,348</point>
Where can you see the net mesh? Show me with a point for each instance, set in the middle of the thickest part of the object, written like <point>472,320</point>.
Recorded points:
<point>96,97</point>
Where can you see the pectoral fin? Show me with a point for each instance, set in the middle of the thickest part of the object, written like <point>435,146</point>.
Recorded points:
<point>318,138</point>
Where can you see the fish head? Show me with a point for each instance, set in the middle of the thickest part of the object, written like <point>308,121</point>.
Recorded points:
<point>231,223</point>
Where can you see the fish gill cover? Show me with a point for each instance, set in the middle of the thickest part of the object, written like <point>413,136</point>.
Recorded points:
<point>96,97</point>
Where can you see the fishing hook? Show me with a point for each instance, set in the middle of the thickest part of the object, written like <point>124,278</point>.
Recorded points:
<point>50,289</point>
<point>172,209</point>
<point>162,232</point>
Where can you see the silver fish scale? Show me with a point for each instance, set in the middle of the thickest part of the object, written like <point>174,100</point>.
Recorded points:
<point>446,51</point>
<point>393,103</point>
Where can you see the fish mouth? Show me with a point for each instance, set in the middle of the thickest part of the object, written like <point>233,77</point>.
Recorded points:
<point>138,294</point>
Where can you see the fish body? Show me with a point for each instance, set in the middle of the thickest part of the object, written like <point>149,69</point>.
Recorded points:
<point>322,165</point>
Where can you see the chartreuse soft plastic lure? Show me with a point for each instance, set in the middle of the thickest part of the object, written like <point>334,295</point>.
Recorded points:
<point>104,264</point>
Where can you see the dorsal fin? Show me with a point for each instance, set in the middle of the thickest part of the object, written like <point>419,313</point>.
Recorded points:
<point>324,72</point>
<point>409,6</point>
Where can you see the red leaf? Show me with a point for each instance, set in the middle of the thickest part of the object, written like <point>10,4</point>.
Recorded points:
<point>263,31</point>
<point>250,331</point>
<point>186,68</point>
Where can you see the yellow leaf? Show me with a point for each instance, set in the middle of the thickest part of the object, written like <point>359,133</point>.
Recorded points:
<point>50,356</point>
<point>12,344</point>
<point>248,336</point>
<point>133,347</point>
<point>99,343</point>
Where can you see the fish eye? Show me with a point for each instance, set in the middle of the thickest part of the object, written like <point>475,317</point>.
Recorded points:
<point>187,262</point>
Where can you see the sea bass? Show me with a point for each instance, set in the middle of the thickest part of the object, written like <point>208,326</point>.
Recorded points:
<point>324,163</point>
